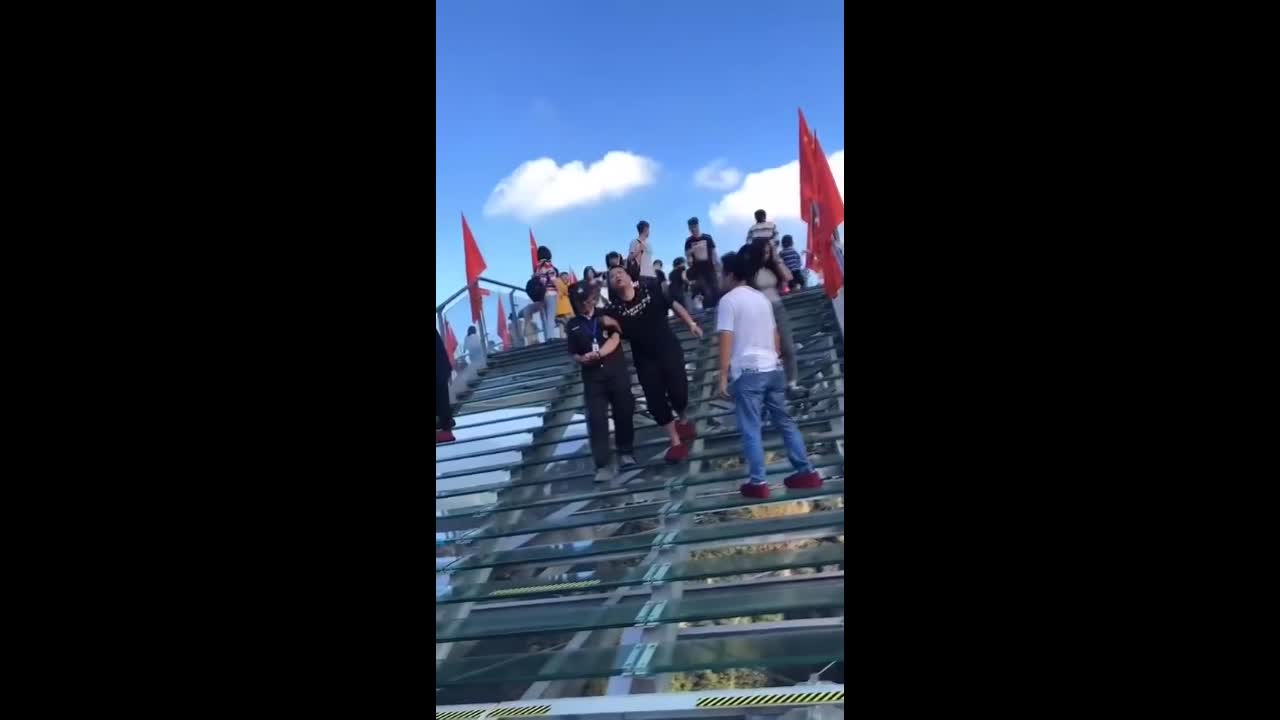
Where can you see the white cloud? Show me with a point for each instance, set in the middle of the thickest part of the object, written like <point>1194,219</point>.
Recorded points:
<point>718,177</point>
<point>776,190</point>
<point>541,187</point>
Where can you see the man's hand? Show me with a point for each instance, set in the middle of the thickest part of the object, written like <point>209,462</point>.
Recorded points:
<point>723,390</point>
<point>695,329</point>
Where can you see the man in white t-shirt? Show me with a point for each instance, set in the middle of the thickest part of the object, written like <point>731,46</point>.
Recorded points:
<point>751,374</point>
<point>641,251</point>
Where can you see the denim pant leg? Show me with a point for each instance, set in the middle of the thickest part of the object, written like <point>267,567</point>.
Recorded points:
<point>549,315</point>
<point>775,404</point>
<point>748,398</point>
<point>783,323</point>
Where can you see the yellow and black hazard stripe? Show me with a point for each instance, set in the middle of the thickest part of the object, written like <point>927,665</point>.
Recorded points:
<point>524,711</point>
<point>460,715</point>
<point>544,588</point>
<point>806,698</point>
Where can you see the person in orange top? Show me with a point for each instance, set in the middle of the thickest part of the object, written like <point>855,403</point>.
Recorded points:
<point>564,308</point>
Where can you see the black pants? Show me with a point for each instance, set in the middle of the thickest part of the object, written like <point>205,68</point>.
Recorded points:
<point>705,274</point>
<point>444,414</point>
<point>602,391</point>
<point>666,387</point>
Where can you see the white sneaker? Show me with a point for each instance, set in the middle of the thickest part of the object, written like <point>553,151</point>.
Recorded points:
<point>605,474</point>
<point>626,461</point>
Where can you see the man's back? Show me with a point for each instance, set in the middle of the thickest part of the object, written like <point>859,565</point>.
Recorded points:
<point>745,312</point>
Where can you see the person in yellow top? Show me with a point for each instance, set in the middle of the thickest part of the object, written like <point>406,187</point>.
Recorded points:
<point>564,309</point>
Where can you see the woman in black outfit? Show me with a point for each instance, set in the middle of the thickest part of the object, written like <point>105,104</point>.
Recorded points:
<point>596,345</point>
<point>444,414</point>
<point>641,309</point>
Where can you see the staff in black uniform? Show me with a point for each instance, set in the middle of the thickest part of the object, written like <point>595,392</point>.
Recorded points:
<point>596,344</point>
<point>641,309</point>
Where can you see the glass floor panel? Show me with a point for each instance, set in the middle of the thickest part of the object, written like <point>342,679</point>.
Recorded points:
<point>780,649</point>
<point>727,501</point>
<point>829,553</point>
<point>534,619</point>
<point>588,548</point>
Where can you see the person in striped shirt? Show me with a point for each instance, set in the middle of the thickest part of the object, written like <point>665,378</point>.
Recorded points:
<point>791,259</point>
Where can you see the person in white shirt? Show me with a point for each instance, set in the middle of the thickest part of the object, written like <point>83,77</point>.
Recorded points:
<point>751,374</point>
<point>641,251</point>
<point>473,345</point>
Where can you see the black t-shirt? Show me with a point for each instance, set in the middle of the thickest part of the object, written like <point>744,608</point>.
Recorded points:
<point>580,331</point>
<point>702,242</point>
<point>661,276</point>
<point>644,319</point>
<point>677,279</point>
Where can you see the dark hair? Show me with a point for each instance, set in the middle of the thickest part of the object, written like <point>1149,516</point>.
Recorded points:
<point>588,272</point>
<point>658,262</point>
<point>544,253</point>
<point>578,294</point>
<point>787,241</point>
<point>760,216</point>
<point>750,259</point>
<point>762,246</point>
<point>608,260</point>
<point>642,226</point>
<point>735,264</point>
<point>471,330</point>
<point>678,262</point>
<point>693,220</point>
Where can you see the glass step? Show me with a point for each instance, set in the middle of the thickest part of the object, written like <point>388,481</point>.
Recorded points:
<point>705,605</point>
<point>807,380</point>
<point>779,494</point>
<point>559,553</point>
<point>655,444</point>
<point>829,553</point>
<point>777,649</point>
<point>582,467</point>
<point>826,465</point>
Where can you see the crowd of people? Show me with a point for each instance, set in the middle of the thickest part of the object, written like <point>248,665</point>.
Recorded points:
<point>633,299</point>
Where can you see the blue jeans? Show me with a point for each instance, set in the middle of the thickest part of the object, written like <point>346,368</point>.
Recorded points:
<point>754,394</point>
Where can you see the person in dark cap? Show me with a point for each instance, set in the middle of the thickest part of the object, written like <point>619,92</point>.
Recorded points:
<point>700,251</point>
<point>595,343</point>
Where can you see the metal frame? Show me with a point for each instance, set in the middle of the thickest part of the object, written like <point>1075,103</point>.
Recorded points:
<point>636,692</point>
<point>653,705</point>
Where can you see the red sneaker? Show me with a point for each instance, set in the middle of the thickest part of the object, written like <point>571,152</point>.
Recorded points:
<point>686,431</point>
<point>804,481</point>
<point>676,453</point>
<point>760,491</point>
<point>444,436</point>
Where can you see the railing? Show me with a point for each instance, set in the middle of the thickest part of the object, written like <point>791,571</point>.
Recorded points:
<point>456,312</point>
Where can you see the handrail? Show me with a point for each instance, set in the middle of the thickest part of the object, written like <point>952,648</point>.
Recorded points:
<point>484,333</point>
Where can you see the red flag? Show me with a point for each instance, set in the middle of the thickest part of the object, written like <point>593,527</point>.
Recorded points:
<point>828,214</point>
<point>807,188</point>
<point>821,207</point>
<point>573,276</point>
<point>475,265</point>
<point>503,334</point>
<point>533,250</point>
<point>450,342</point>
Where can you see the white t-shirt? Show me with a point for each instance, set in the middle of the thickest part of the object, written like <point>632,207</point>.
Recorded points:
<point>645,258</point>
<point>746,313</point>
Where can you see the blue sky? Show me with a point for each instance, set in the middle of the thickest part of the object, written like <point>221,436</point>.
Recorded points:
<point>666,87</point>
